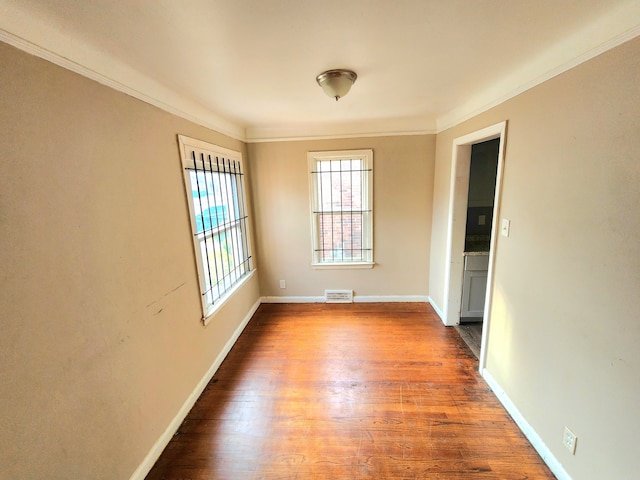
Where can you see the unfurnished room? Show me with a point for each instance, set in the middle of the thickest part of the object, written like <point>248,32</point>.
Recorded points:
<point>287,239</point>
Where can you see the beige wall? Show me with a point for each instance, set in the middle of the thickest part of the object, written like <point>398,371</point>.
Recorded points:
<point>565,331</point>
<point>102,342</point>
<point>101,336</point>
<point>403,182</point>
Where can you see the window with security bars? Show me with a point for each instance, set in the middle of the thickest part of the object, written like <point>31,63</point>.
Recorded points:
<point>214,184</point>
<point>341,186</point>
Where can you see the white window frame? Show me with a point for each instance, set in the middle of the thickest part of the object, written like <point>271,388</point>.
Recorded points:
<point>314,159</point>
<point>213,298</point>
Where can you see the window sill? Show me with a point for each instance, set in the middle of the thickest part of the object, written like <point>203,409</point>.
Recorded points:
<point>214,309</point>
<point>342,265</point>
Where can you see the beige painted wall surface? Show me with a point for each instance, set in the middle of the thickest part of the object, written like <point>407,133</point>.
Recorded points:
<point>101,336</point>
<point>403,183</point>
<point>565,328</point>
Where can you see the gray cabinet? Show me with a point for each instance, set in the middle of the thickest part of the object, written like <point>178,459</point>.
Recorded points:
<point>474,285</point>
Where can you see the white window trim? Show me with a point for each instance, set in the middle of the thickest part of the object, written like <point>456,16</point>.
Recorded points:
<point>342,265</point>
<point>313,158</point>
<point>186,145</point>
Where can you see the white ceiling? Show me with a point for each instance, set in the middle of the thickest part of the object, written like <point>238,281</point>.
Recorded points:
<point>247,68</point>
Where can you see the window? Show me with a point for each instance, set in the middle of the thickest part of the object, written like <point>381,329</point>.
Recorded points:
<point>213,179</point>
<point>341,186</point>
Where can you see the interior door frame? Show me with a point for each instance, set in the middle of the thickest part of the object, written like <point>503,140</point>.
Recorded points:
<point>456,226</point>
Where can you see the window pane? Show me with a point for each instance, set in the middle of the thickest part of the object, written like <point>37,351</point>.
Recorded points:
<point>341,237</point>
<point>219,223</point>
<point>224,259</point>
<point>340,205</point>
<point>215,199</point>
<point>340,185</point>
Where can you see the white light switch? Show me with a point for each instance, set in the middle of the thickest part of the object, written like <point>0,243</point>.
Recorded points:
<point>283,284</point>
<point>506,225</point>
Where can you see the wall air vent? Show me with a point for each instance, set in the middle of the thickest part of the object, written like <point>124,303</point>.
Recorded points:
<point>338,296</point>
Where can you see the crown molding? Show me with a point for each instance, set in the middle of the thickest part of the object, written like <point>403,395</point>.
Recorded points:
<point>196,114</point>
<point>37,37</point>
<point>294,138</point>
<point>162,97</point>
<point>345,129</point>
<point>608,32</point>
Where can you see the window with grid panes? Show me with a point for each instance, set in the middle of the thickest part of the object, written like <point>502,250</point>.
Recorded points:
<point>341,192</point>
<point>213,179</point>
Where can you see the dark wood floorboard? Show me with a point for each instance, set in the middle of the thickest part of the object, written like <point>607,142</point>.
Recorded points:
<point>471,334</point>
<point>357,391</point>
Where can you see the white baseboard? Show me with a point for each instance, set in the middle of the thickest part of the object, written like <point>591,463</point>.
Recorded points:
<point>356,299</point>
<point>436,308</point>
<point>292,299</point>
<point>533,437</point>
<point>390,298</point>
<point>158,447</point>
<point>152,457</point>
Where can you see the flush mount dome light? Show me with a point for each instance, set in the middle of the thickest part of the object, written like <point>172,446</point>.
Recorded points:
<point>336,83</point>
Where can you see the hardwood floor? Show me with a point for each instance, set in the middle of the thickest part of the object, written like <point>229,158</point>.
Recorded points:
<point>357,391</point>
<point>471,334</point>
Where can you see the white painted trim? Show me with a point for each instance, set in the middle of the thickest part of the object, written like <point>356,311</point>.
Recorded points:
<point>192,146</point>
<point>390,299</point>
<point>607,32</point>
<point>176,105</point>
<point>314,160</point>
<point>461,153</point>
<point>274,299</point>
<point>493,244</point>
<point>158,447</point>
<point>35,36</point>
<point>448,248</point>
<point>309,136</point>
<point>536,441</point>
<point>184,141</point>
<point>437,309</point>
<point>343,266</point>
<point>356,299</point>
<point>224,299</point>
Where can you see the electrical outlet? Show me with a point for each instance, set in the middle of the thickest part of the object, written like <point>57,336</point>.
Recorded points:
<point>569,439</point>
<point>283,284</point>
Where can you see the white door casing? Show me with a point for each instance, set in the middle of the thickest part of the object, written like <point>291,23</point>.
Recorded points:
<point>460,164</point>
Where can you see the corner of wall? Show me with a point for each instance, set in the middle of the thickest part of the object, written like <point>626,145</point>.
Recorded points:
<point>437,308</point>
<point>536,441</point>
<point>158,447</point>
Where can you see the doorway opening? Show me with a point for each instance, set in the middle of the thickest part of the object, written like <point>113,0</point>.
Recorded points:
<point>457,228</point>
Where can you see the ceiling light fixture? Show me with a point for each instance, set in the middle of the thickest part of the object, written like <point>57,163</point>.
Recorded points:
<point>336,83</point>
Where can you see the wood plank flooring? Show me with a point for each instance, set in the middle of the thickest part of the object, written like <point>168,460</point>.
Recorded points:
<point>357,391</point>
<point>471,334</point>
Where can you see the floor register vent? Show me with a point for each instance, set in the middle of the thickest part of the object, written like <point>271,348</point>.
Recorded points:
<point>338,296</point>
